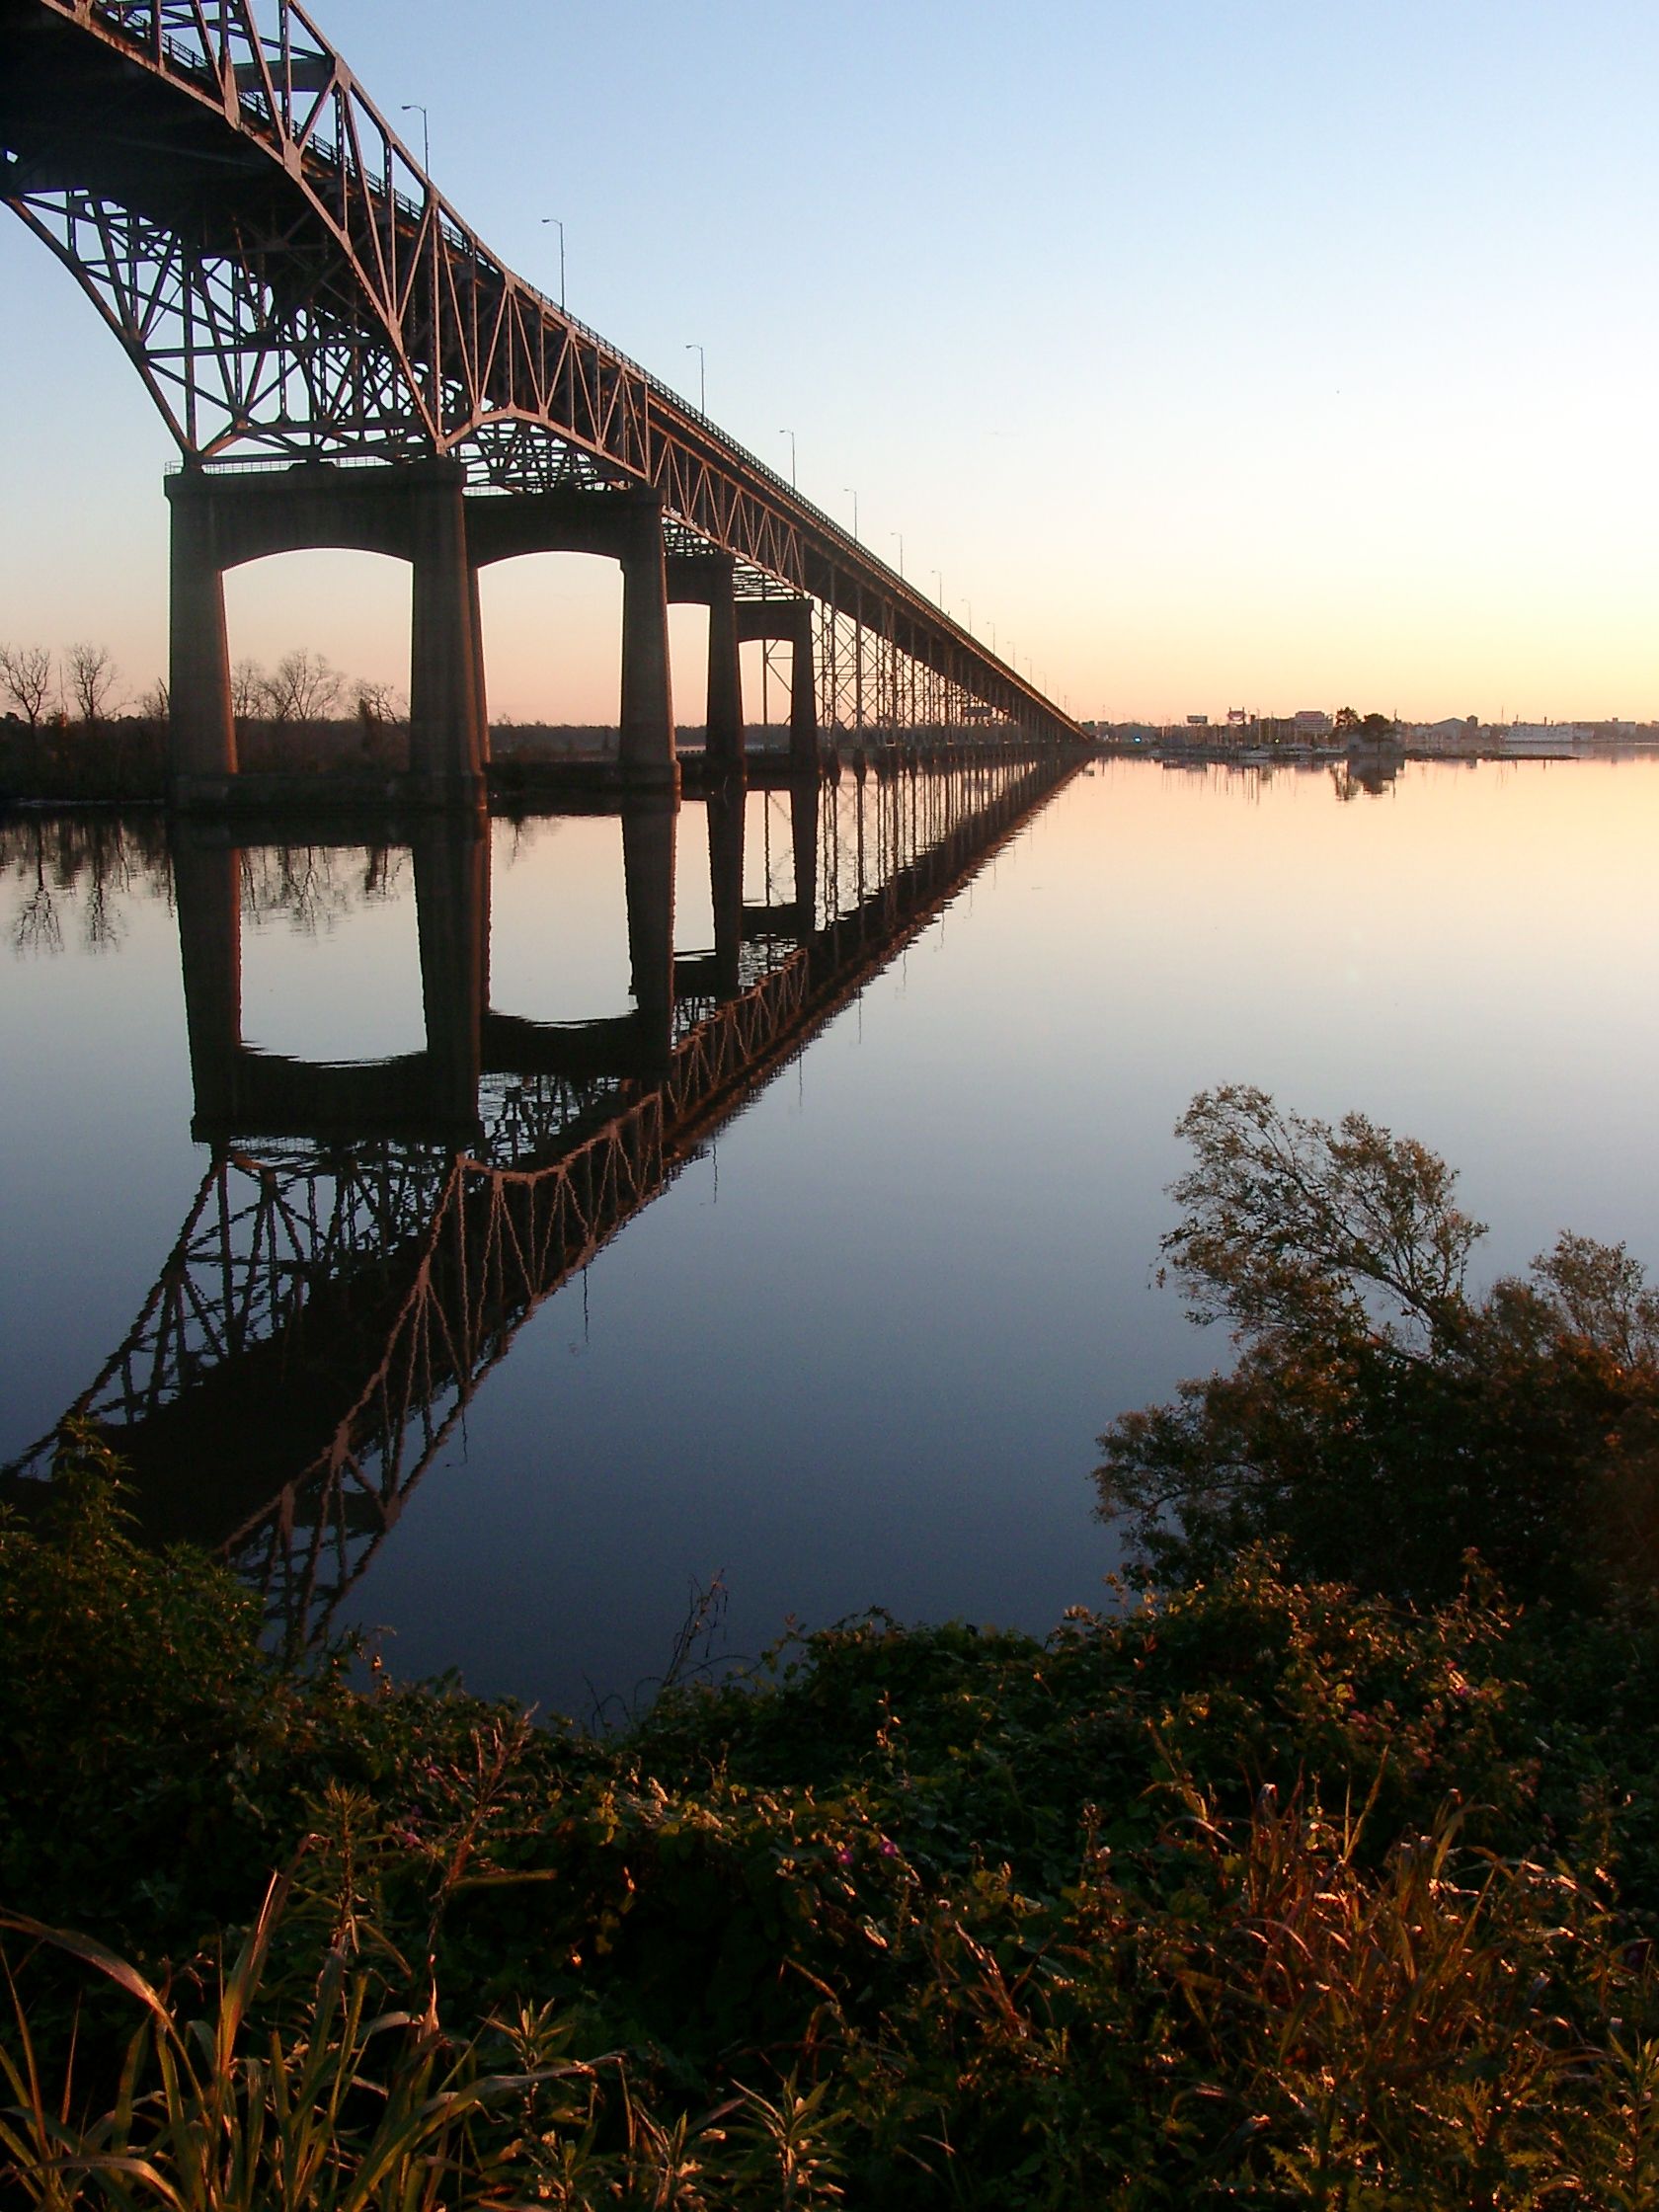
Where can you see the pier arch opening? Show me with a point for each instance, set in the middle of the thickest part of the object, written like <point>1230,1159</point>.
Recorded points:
<point>688,658</point>
<point>320,647</point>
<point>552,647</point>
<point>768,665</point>
<point>306,903</point>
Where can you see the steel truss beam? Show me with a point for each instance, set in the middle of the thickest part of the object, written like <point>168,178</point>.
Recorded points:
<point>291,286</point>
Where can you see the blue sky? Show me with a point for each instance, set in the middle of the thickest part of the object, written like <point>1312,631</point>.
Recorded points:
<point>1220,354</point>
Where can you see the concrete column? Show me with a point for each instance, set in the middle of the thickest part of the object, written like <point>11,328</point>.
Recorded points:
<point>208,896</point>
<point>480,692</point>
<point>645,753</point>
<point>452,920</point>
<point>725,737</point>
<point>803,834</point>
<point>803,696</point>
<point>726,807</point>
<point>647,866</point>
<point>445,683</point>
<point>201,729</point>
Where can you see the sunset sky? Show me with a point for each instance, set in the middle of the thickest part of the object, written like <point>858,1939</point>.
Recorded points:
<point>1218,353</point>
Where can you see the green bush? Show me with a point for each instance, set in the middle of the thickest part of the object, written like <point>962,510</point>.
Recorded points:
<point>1260,1892</point>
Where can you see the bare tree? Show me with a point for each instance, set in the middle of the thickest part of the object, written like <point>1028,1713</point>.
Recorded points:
<point>302,687</point>
<point>154,705</point>
<point>379,703</point>
<point>92,679</point>
<point>25,676</point>
<point>250,691</point>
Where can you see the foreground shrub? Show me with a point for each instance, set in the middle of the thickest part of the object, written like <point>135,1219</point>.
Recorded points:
<point>1244,2011</point>
<point>1260,1892</point>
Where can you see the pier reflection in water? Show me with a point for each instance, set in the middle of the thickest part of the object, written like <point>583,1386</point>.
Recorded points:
<point>370,1238</point>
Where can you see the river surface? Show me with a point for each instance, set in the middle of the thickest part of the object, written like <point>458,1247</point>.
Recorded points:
<point>858,1349</point>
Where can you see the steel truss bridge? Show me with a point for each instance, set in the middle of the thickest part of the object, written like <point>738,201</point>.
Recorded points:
<point>293,288</point>
<point>353,1268</point>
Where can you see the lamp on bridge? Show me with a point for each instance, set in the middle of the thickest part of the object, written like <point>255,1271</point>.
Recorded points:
<point>413,107</point>
<point>847,488</point>
<point>790,435</point>
<point>899,536</point>
<point>692,347</point>
<point>559,226</point>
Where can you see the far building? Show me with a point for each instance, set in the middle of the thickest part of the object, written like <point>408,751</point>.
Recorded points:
<point>1455,734</point>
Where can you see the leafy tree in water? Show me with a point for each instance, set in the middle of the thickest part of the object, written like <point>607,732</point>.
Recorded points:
<point>1382,1422</point>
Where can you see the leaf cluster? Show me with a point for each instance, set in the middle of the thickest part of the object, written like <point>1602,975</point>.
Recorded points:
<point>1264,1891</point>
<point>1381,1421</point>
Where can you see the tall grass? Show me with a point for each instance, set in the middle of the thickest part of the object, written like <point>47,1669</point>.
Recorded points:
<point>351,2105</point>
<point>1280,2025</point>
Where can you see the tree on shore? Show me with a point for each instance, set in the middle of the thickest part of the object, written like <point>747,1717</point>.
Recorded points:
<point>247,690</point>
<point>92,681</point>
<point>1383,1421</point>
<point>302,689</point>
<point>25,676</point>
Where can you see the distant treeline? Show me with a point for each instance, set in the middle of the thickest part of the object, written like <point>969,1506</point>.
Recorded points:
<point>69,732</point>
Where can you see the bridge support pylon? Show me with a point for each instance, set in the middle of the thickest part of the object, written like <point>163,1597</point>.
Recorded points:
<point>725,811</point>
<point>790,621</point>
<point>645,752</point>
<point>625,526</point>
<point>448,721</point>
<point>647,866</point>
<point>706,580</point>
<point>414,513</point>
<point>201,727</point>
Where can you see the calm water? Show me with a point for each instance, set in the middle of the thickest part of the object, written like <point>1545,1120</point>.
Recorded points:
<point>858,1350</point>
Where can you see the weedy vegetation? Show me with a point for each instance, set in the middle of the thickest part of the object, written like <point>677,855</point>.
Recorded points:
<point>1320,1870</point>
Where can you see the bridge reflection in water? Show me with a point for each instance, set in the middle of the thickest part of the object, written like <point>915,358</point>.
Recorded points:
<point>368,1240</point>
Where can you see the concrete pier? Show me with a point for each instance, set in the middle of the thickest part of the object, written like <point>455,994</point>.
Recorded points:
<point>452,923</point>
<point>242,1092</point>
<point>725,808</point>
<point>414,513</point>
<point>648,865</point>
<point>790,621</point>
<point>706,580</point>
<point>625,526</point>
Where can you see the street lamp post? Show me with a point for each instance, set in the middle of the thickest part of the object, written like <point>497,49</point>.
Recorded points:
<point>848,488</point>
<point>790,435</point>
<point>413,107</point>
<point>899,536</point>
<point>692,347</point>
<point>940,581</point>
<point>560,229</point>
